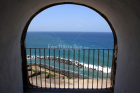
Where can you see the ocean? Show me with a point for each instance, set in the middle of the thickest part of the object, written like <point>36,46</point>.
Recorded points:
<point>71,41</point>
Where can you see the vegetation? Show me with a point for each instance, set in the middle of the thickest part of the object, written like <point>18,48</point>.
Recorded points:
<point>43,72</point>
<point>69,77</point>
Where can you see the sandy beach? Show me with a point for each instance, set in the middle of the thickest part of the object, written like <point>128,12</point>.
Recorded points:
<point>44,81</point>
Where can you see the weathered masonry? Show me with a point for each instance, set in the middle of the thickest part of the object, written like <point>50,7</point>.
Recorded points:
<point>122,15</point>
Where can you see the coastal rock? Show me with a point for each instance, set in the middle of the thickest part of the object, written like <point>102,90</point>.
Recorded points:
<point>70,63</point>
<point>28,56</point>
<point>81,66</point>
<point>63,72</point>
<point>37,57</point>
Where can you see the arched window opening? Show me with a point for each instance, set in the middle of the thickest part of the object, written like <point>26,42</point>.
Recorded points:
<point>69,49</point>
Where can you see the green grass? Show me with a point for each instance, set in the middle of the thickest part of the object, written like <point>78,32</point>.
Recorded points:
<point>43,72</point>
<point>69,77</point>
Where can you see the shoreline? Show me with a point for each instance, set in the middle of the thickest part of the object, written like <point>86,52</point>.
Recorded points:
<point>61,72</point>
<point>74,63</point>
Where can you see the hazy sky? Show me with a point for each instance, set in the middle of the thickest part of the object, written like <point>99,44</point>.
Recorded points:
<point>69,17</point>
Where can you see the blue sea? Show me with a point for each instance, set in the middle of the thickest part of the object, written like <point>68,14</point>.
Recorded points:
<point>71,41</point>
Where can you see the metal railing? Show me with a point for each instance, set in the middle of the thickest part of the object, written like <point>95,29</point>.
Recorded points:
<point>60,68</point>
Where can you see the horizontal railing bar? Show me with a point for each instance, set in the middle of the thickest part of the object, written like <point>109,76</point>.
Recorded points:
<point>73,48</point>
<point>71,89</point>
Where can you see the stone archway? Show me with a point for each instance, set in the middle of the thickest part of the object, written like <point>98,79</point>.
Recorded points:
<point>23,38</point>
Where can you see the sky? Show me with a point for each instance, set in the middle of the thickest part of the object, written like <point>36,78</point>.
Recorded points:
<point>68,18</point>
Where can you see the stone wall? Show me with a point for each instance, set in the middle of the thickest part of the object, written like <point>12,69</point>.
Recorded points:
<point>124,16</point>
<point>61,71</point>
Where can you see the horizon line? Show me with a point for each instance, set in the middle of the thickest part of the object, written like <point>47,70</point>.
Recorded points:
<point>69,31</point>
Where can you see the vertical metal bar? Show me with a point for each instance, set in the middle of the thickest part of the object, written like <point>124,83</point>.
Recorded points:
<point>102,69</point>
<point>68,66</point>
<point>45,67</point>
<point>40,67</point>
<point>78,66</point>
<point>35,68</point>
<point>59,68</point>
<point>31,67</point>
<point>27,72</point>
<point>54,70</point>
<point>107,68</point>
<point>64,66</point>
<point>112,67</point>
<point>83,66</point>
<point>88,67</point>
<point>49,69</point>
<point>93,68</point>
<point>73,67</point>
<point>98,69</point>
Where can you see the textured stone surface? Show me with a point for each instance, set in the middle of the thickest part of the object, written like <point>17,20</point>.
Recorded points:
<point>124,15</point>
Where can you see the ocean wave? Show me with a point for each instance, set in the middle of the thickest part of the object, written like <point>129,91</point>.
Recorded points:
<point>95,67</point>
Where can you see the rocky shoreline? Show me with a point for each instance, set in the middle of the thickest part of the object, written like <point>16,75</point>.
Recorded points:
<point>64,61</point>
<point>62,72</point>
